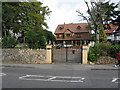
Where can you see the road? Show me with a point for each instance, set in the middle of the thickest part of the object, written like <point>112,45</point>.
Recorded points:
<point>58,76</point>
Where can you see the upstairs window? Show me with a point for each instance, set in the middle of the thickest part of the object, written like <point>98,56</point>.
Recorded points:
<point>78,36</point>
<point>59,36</point>
<point>68,35</point>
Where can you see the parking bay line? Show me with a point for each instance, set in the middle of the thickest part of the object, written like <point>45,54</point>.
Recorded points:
<point>115,80</point>
<point>52,78</point>
<point>2,74</point>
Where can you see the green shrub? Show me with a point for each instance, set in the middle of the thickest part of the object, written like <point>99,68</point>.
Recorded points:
<point>104,48</point>
<point>22,47</point>
<point>35,39</point>
<point>93,55</point>
<point>9,42</point>
<point>114,50</point>
<point>99,49</point>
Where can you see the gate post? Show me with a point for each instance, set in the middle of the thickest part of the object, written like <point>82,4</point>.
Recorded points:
<point>49,54</point>
<point>84,54</point>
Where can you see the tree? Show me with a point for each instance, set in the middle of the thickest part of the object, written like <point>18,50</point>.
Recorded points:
<point>35,38</point>
<point>22,19</point>
<point>100,13</point>
<point>8,19</point>
<point>49,36</point>
<point>23,15</point>
<point>9,42</point>
<point>102,35</point>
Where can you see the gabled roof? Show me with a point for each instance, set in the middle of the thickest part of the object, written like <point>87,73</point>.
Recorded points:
<point>112,29</point>
<point>68,30</point>
<point>75,28</point>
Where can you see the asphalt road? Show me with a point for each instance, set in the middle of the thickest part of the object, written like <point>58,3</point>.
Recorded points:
<point>61,76</point>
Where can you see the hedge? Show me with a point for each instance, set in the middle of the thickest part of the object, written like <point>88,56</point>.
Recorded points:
<point>102,49</point>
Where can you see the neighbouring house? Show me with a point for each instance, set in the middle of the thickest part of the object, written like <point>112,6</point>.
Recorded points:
<point>113,33</point>
<point>72,34</point>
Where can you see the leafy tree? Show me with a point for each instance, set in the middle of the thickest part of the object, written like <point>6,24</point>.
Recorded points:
<point>102,35</point>
<point>27,20</point>
<point>49,36</point>
<point>21,16</point>
<point>100,13</point>
<point>35,38</point>
<point>8,19</point>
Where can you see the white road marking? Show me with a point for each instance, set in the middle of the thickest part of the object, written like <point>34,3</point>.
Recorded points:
<point>52,78</point>
<point>115,80</point>
<point>2,74</point>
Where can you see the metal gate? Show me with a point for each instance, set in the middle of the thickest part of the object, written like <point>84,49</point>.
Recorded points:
<point>66,55</point>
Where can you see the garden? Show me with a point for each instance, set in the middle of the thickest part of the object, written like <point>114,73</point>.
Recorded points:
<point>103,53</point>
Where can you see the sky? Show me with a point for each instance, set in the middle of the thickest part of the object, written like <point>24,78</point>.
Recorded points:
<point>64,11</point>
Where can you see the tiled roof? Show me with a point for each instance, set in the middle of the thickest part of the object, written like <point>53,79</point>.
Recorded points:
<point>76,28</point>
<point>113,28</point>
<point>87,38</point>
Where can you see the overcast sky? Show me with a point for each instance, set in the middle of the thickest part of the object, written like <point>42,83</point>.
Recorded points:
<point>64,11</point>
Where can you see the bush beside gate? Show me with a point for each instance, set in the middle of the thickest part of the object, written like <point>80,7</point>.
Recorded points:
<point>102,49</point>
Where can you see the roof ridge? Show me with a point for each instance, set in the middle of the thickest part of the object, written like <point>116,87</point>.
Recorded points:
<point>72,23</point>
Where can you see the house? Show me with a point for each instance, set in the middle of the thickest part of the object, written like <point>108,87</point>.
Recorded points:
<point>72,34</point>
<point>113,33</point>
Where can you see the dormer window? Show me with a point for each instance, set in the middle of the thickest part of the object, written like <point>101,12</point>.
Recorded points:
<point>78,27</point>
<point>61,27</point>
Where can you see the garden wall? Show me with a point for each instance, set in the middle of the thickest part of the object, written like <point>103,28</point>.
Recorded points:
<point>24,56</point>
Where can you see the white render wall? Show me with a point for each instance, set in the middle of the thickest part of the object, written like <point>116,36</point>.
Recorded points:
<point>113,38</point>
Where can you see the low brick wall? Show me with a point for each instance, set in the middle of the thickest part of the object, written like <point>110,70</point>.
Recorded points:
<point>24,56</point>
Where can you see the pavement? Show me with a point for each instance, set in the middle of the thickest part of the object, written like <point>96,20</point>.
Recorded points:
<point>67,66</point>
